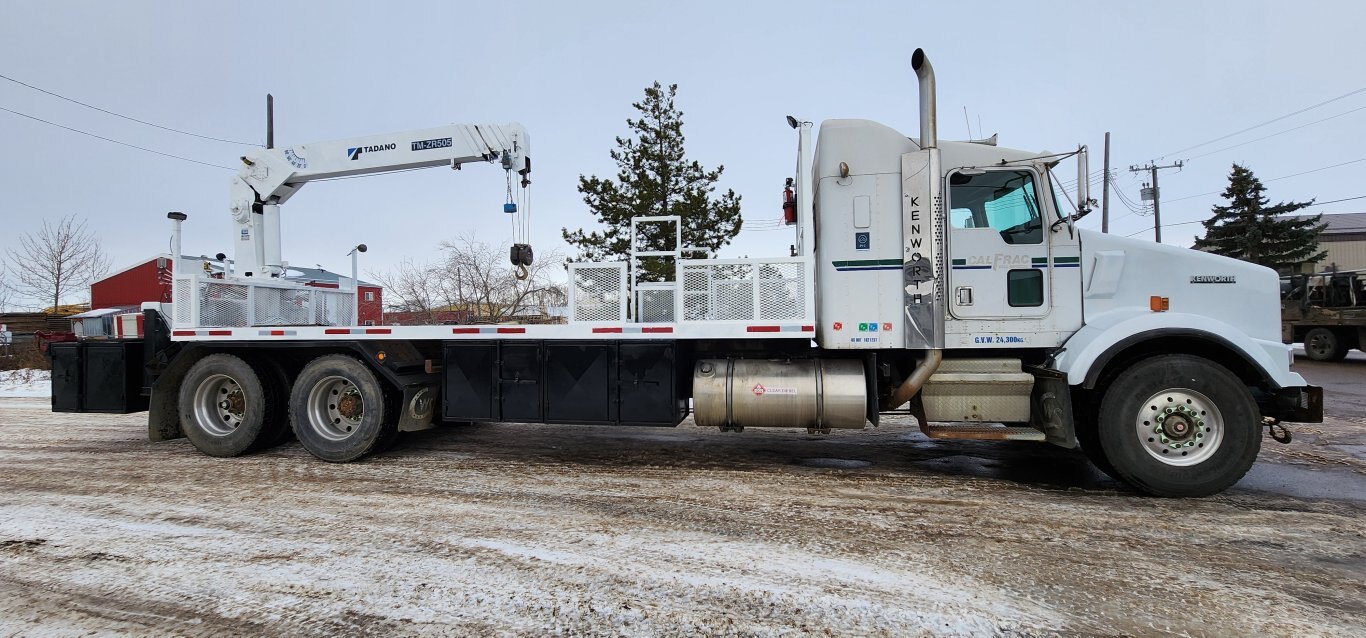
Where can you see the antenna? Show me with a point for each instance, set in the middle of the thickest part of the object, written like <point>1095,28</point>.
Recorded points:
<point>968,122</point>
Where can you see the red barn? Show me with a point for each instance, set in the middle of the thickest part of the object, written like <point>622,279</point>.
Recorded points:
<point>150,280</point>
<point>147,280</point>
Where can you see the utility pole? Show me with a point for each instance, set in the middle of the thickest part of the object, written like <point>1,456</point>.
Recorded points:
<point>270,121</point>
<point>1157,196</point>
<point>1105,190</point>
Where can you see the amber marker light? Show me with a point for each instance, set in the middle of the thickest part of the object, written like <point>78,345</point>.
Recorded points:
<point>1159,304</point>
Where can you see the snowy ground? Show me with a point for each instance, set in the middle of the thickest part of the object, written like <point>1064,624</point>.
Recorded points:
<point>569,530</point>
<point>25,383</point>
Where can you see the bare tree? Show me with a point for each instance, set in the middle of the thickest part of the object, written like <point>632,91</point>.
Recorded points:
<point>411,286</point>
<point>4,290</point>
<point>476,279</point>
<point>55,262</point>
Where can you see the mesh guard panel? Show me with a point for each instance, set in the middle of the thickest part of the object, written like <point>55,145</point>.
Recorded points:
<point>598,291</point>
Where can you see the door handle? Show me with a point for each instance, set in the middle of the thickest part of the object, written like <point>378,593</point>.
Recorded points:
<point>964,295</point>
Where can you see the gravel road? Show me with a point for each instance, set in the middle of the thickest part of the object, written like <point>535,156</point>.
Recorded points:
<point>527,530</point>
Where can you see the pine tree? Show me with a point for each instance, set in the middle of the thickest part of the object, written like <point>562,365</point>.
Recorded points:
<point>1248,229</point>
<point>655,178</point>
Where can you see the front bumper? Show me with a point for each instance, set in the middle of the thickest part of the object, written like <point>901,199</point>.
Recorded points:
<point>1302,404</point>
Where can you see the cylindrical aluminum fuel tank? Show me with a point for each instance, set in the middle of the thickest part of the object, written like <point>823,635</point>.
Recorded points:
<point>800,393</point>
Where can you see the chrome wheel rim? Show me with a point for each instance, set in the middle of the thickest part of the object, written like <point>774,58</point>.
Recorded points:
<point>1179,427</point>
<point>335,408</point>
<point>220,406</point>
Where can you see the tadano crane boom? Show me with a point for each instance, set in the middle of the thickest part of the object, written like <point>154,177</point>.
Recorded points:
<point>268,178</point>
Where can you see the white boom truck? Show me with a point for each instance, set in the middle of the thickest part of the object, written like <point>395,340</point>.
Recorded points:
<point>932,277</point>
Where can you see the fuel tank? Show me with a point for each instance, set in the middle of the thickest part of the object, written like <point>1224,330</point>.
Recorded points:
<point>780,393</point>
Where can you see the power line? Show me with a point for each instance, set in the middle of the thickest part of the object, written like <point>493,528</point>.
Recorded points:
<point>140,148</point>
<point>1152,169</point>
<point>1324,168</point>
<point>131,119</point>
<point>1331,201</point>
<point>1229,148</point>
<point>1072,182</point>
<point>1139,232</point>
<point>1334,201</point>
<point>1270,121</point>
<point>1134,209</point>
<point>1201,221</point>
<point>763,225</point>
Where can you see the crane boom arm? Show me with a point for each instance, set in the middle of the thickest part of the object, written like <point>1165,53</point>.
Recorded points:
<point>269,177</point>
<point>274,174</point>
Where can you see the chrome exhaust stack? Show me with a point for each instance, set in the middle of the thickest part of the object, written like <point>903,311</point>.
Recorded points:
<point>924,264</point>
<point>929,121</point>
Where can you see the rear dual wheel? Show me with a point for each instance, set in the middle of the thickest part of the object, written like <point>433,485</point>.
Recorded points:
<point>339,411</point>
<point>229,406</point>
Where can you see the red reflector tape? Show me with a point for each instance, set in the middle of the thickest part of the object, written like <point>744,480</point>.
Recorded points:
<point>511,331</point>
<point>336,331</point>
<point>378,331</point>
<point>220,333</point>
<point>808,328</point>
<point>657,329</point>
<point>606,330</point>
<point>465,331</point>
<point>182,333</point>
<point>763,329</point>
<point>273,333</point>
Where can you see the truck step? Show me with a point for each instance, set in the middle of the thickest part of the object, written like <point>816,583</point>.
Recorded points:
<point>981,432</point>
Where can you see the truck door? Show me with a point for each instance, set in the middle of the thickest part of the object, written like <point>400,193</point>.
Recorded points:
<point>998,253</point>
<point>1014,275</point>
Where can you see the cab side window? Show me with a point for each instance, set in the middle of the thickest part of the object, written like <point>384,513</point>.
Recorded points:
<point>1003,200</point>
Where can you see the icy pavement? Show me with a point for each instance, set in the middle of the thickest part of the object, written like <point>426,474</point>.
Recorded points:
<point>570,530</point>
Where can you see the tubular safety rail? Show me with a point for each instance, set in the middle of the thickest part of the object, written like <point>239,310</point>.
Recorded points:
<point>703,290</point>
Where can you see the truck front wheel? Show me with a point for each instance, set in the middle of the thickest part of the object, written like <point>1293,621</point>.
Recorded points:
<point>1179,425</point>
<point>229,407</point>
<point>1322,344</point>
<point>339,410</point>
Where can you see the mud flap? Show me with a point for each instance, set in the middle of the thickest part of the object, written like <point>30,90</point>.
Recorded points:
<point>419,406</point>
<point>407,369</point>
<point>163,411</point>
<point>1050,407</point>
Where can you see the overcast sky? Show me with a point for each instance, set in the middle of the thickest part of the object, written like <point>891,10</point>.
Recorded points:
<point>1161,76</point>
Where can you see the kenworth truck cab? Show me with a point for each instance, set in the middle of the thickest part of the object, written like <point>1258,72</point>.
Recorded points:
<point>935,278</point>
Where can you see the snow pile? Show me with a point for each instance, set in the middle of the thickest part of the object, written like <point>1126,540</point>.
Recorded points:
<point>26,383</point>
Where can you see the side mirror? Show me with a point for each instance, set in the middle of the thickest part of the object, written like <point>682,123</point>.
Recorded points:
<point>1083,181</point>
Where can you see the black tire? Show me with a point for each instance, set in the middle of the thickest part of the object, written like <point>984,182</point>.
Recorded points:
<point>339,411</point>
<point>1222,433</point>
<point>1088,433</point>
<point>1088,438</point>
<point>225,409</point>
<point>1323,344</point>
<point>277,429</point>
